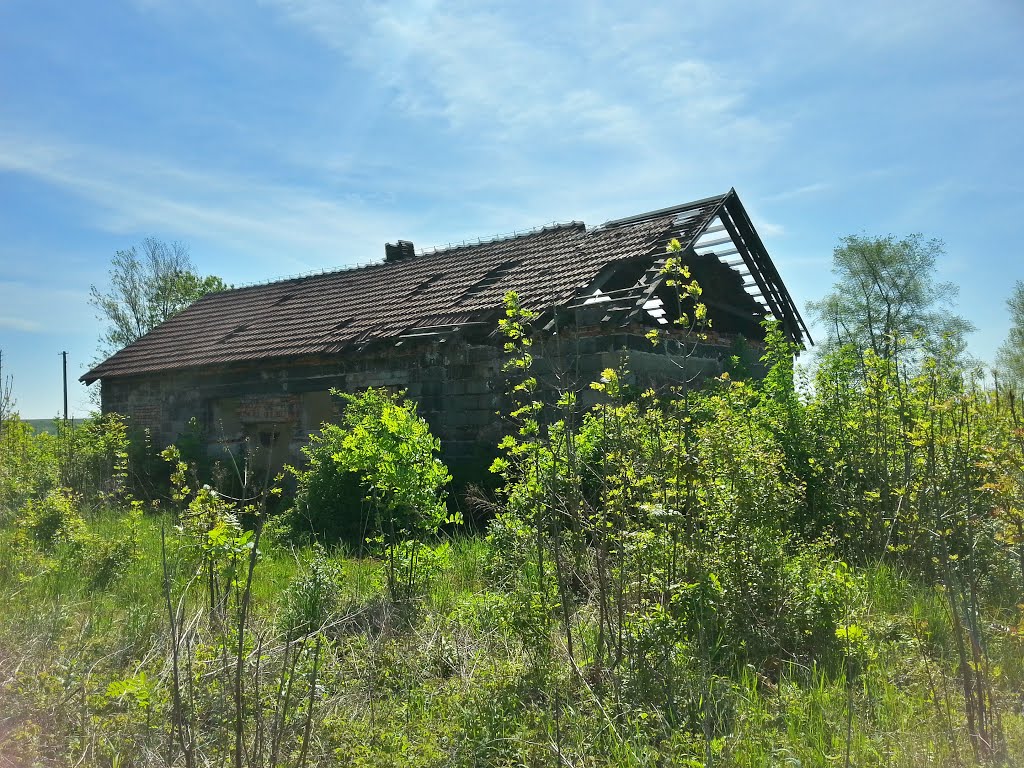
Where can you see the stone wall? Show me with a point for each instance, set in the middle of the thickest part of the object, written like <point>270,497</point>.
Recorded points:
<point>459,387</point>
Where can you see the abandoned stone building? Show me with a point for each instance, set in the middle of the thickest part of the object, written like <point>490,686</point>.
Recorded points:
<point>254,365</point>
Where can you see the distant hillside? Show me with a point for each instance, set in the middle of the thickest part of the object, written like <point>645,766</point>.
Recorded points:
<point>42,425</point>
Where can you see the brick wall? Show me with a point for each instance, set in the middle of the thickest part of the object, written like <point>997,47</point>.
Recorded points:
<point>459,388</point>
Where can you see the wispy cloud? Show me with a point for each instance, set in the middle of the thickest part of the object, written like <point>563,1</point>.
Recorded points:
<point>43,306</point>
<point>466,65</point>
<point>20,324</point>
<point>486,71</point>
<point>291,227</point>
<point>584,114</point>
<point>807,190</point>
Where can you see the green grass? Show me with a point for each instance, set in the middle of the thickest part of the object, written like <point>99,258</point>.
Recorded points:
<point>443,680</point>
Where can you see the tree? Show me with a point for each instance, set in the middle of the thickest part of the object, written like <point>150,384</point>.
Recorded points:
<point>1010,357</point>
<point>145,289</point>
<point>385,453</point>
<point>392,450</point>
<point>6,398</point>
<point>886,294</point>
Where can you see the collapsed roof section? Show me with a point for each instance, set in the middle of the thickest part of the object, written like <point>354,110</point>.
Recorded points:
<point>609,275</point>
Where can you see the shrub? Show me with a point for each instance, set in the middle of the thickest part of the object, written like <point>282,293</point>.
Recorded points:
<point>52,520</point>
<point>311,599</point>
<point>385,452</point>
<point>92,457</point>
<point>103,559</point>
<point>55,527</point>
<point>329,501</point>
<point>819,591</point>
<point>28,465</point>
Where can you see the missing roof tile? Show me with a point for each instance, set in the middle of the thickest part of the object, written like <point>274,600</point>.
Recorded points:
<point>234,332</point>
<point>422,286</point>
<point>493,277</point>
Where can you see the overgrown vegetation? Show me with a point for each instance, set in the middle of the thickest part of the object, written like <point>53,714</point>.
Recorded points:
<point>375,479</point>
<point>816,572</point>
<point>1011,352</point>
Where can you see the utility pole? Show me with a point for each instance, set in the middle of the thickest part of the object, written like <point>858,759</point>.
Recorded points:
<point>5,392</point>
<point>64,355</point>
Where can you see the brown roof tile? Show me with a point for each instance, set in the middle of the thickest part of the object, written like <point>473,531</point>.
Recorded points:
<point>326,313</point>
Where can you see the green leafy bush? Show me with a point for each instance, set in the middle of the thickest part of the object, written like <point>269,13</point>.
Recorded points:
<point>386,453</point>
<point>28,467</point>
<point>101,558</point>
<point>90,458</point>
<point>329,503</point>
<point>55,528</point>
<point>311,600</point>
<point>52,520</point>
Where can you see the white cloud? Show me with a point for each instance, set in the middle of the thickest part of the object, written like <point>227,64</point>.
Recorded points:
<point>43,306</point>
<point>814,189</point>
<point>20,324</point>
<point>293,228</point>
<point>587,113</point>
<point>487,72</point>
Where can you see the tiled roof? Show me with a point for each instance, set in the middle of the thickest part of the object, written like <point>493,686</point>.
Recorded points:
<point>327,313</point>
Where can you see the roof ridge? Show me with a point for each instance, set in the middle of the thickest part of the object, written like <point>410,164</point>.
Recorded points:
<point>673,210</point>
<point>554,226</point>
<point>427,251</point>
<point>298,277</point>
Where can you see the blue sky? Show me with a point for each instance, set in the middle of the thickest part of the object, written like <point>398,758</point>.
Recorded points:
<point>286,136</point>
